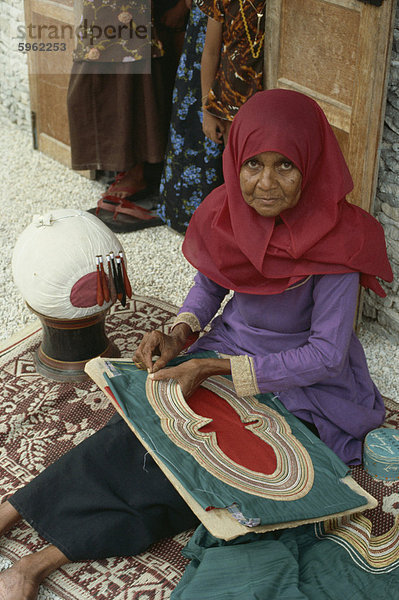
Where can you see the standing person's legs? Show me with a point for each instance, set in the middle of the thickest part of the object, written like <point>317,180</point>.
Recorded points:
<point>118,121</point>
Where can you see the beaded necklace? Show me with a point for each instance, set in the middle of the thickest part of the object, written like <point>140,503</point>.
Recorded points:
<point>255,53</point>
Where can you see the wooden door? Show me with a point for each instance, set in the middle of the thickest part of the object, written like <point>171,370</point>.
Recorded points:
<point>337,52</point>
<point>50,29</point>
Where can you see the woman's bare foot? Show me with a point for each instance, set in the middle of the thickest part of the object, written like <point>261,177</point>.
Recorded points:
<point>8,517</point>
<point>22,580</point>
<point>133,181</point>
<point>15,585</point>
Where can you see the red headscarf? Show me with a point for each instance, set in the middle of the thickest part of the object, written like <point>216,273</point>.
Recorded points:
<point>229,242</point>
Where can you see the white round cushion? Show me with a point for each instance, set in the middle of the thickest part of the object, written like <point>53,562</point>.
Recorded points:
<point>54,253</point>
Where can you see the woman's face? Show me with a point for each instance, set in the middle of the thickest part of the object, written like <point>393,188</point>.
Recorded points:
<point>270,183</point>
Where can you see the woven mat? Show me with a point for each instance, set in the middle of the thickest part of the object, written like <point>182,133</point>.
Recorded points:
<point>40,420</point>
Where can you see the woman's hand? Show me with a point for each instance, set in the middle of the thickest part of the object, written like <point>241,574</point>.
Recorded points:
<point>213,127</point>
<point>165,346</point>
<point>190,374</point>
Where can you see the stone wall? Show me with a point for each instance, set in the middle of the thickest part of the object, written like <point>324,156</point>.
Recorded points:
<point>14,84</point>
<point>384,312</point>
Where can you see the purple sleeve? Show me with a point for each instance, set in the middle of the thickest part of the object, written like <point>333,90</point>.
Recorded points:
<point>204,299</point>
<point>324,354</point>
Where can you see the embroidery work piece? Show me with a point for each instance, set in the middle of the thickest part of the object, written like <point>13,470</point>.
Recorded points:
<point>300,458</point>
<point>292,475</point>
<point>374,554</point>
<point>298,564</point>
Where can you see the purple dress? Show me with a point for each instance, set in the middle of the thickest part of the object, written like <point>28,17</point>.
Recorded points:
<point>299,344</point>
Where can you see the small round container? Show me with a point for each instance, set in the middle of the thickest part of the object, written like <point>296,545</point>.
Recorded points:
<point>381,454</point>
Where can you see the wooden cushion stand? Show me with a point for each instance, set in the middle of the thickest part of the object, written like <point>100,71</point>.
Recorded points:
<point>68,344</point>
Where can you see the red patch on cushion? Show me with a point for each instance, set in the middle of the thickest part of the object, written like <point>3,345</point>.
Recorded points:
<point>235,440</point>
<point>84,291</point>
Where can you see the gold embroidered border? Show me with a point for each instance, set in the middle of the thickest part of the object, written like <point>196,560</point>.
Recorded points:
<point>354,534</point>
<point>294,474</point>
<point>244,377</point>
<point>190,319</point>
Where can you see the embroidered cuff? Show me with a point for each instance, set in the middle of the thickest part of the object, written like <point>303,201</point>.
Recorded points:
<point>190,319</point>
<point>243,373</point>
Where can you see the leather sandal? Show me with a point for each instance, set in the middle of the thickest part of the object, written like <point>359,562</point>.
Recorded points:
<point>126,207</point>
<point>107,203</point>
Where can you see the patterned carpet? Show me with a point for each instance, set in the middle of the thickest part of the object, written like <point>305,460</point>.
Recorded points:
<point>41,419</point>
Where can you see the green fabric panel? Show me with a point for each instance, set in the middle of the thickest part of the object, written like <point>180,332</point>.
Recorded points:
<point>291,565</point>
<point>327,571</point>
<point>254,567</point>
<point>327,496</point>
<point>262,570</point>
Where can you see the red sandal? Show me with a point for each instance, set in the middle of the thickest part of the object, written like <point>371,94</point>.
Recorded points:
<point>126,207</point>
<point>107,203</point>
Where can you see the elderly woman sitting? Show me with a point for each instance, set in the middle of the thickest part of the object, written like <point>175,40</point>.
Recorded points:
<point>281,235</point>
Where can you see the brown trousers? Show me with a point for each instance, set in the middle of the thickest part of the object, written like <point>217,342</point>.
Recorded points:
<point>118,120</point>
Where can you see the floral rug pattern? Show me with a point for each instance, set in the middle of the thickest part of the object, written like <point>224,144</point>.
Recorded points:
<point>39,421</point>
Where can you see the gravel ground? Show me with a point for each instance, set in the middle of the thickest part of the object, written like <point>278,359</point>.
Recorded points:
<point>34,184</point>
